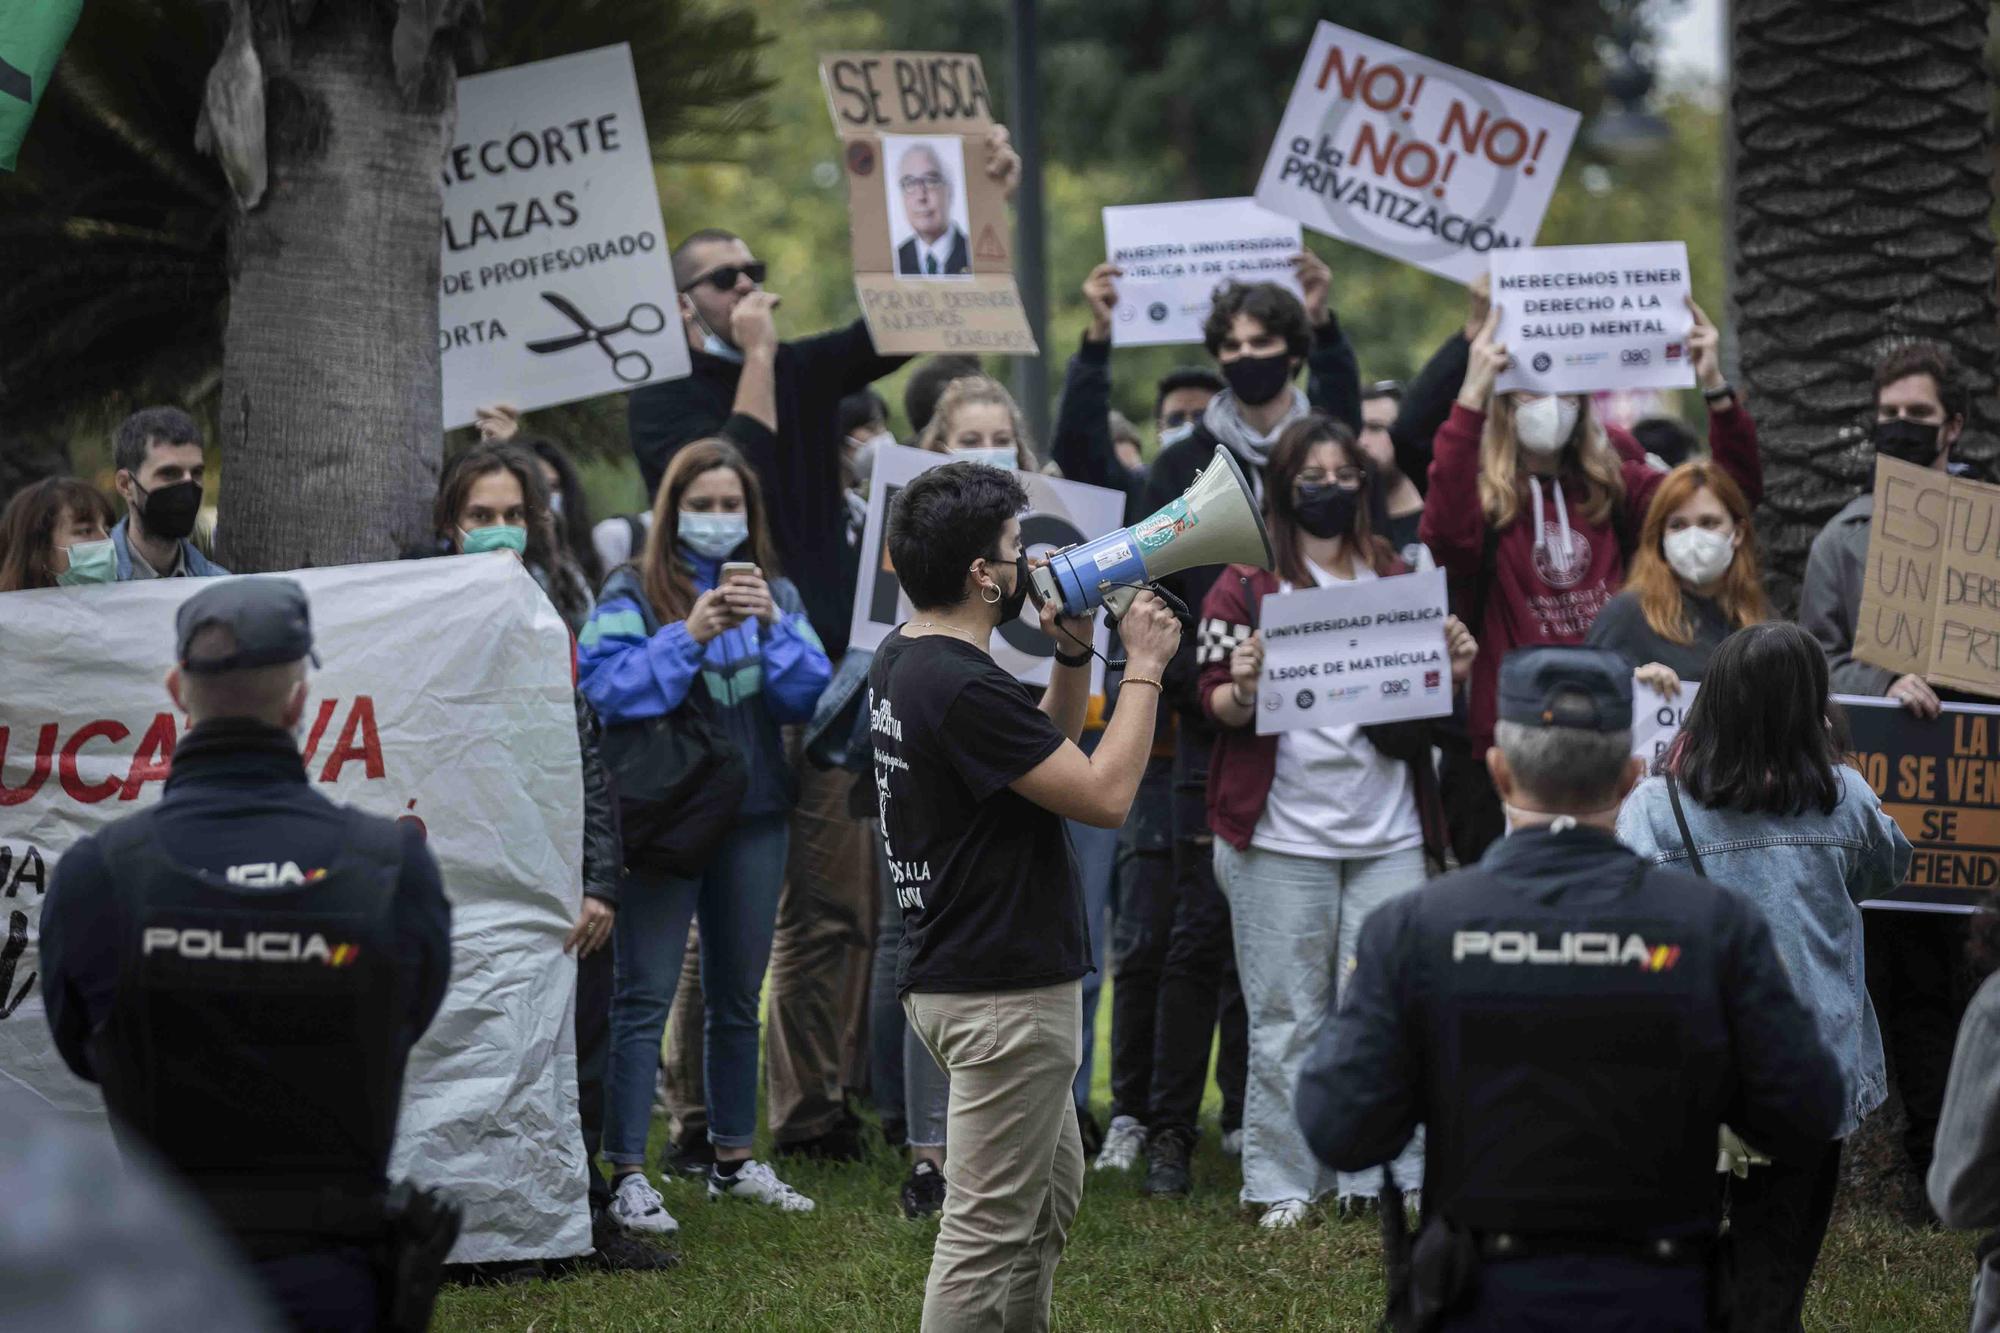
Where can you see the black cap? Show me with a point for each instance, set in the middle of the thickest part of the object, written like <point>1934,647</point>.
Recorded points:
<point>268,617</point>
<point>1586,688</point>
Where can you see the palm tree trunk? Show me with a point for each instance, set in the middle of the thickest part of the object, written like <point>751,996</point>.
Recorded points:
<point>330,400</point>
<point>1863,192</point>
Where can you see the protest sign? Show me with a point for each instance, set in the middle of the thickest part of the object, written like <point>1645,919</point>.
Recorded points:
<point>1354,654</point>
<point>1939,779</point>
<point>1930,594</point>
<point>1411,158</point>
<point>445,701</point>
<point>1579,318</point>
<point>1175,255</point>
<point>555,282</point>
<point>933,264</point>
<point>1060,513</point>
<point>1657,720</point>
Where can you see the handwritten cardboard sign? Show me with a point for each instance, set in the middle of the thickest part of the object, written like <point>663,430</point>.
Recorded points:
<point>1584,318</point>
<point>1939,780</point>
<point>933,260</point>
<point>1174,256</point>
<point>1411,158</point>
<point>1930,594</point>
<point>554,279</point>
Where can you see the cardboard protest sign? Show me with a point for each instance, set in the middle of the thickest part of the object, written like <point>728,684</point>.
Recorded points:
<point>933,263</point>
<point>1657,720</point>
<point>1060,513</point>
<point>1174,256</point>
<point>445,701</point>
<point>1411,158</point>
<point>1579,318</point>
<point>1358,653</point>
<point>1940,781</point>
<point>1930,595</point>
<point>555,282</point>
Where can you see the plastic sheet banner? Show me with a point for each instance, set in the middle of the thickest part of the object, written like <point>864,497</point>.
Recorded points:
<point>445,699</point>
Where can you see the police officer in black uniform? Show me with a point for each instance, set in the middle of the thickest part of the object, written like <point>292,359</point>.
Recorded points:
<point>245,967</point>
<point>1571,1026</point>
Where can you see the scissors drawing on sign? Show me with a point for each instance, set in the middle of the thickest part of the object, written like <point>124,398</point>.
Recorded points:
<point>632,367</point>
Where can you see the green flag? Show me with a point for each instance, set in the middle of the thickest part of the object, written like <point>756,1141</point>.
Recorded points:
<point>32,33</point>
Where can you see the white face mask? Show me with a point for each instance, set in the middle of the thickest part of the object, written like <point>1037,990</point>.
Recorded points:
<point>1173,435</point>
<point>864,454</point>
<point>1002,457</point>
<point>1543,425</point>
<point>1698,555</point>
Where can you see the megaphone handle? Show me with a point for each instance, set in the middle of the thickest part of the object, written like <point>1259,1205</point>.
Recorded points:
<point>1118,600</point>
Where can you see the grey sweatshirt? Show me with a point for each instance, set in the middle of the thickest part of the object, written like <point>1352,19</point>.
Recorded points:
<point>1965,1174</point>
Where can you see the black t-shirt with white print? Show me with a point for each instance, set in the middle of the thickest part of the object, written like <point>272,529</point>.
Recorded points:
<point>984,876</point>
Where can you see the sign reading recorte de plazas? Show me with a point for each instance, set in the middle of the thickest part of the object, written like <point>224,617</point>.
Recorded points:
<point>1354,654</point>
<point>1580,318</point>
<point>1411,158</point>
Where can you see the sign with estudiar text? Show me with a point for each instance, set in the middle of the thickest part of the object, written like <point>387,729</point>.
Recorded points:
<point>1354,654</point>
<point>1411,158</point>
<point>1930,592</point>
<point>1174,256</point>
<point>1580,318</point>
<point>555,282</point>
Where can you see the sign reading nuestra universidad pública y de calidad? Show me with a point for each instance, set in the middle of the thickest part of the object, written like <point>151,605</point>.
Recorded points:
<point>1580,318</point>
<point>1174,256</point>
<point>1352,654</point>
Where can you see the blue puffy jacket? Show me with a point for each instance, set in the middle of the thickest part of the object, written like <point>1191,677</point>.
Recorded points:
<point>759,677</point>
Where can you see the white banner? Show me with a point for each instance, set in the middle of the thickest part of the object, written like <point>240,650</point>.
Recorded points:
<point>1060,513</point>
<point>1354,654</point>
<point>555,282</point>
<point>445,699</point>
<point>1174,256</point>
<point>1579,318</point>
<point>1411,158</point>
<point>1656,719</point>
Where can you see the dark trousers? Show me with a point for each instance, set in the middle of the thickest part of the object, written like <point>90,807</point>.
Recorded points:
<point>1586,1294</point>
<point>1777,1221</point>
<point>1916,981</point>
<point>593,1045</point>
<point>1472,815</point>
<point>1144,923</point>
<point>329,1291</point>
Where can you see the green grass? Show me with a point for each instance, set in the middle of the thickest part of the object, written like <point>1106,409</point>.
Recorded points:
<point>856,1265</point>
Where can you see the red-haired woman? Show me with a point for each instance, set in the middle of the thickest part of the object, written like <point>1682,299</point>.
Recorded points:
<point>1694,580</point>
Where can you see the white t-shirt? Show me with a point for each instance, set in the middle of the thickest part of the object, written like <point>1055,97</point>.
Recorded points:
<point>1335,796</point>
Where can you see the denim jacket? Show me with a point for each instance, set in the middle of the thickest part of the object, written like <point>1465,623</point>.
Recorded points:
<point>1809,873</point>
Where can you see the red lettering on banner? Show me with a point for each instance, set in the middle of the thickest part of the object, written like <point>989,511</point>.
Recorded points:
<point>320,719</point>
<point>357,741</point>
<point>45,753</point>
<point>72,783</point>
<point>1336,67</point>
<point>155,757</point>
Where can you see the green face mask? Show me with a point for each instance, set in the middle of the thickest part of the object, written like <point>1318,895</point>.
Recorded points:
<point>499,537</point>
<point>90,562</point>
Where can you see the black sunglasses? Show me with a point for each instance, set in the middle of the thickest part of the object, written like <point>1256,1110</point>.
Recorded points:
<point>724,278</point>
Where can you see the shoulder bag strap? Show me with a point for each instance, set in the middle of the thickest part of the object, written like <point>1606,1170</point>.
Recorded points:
<point>1681,819</point>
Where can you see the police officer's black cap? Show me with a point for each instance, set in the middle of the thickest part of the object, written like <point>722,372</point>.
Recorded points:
<point>1585,688</point>
<point>268,618</point>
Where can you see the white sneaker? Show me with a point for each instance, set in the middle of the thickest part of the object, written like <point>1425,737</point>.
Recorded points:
<point>759,1184</point>
<point>1283,1215</point>
<point>637,1206</point>
<point>1232,1143</point>
<point>1123,1143</point>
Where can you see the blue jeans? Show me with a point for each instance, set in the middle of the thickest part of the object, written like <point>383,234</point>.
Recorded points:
<point>1096,852</point>
<point>736,899</point>
<point>908,1084</point>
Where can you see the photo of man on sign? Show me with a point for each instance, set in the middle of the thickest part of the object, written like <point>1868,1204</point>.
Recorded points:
<point>926,207</point>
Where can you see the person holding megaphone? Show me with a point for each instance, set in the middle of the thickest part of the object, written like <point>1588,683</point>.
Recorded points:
<point>973,780</point>
<point>1313,829</point>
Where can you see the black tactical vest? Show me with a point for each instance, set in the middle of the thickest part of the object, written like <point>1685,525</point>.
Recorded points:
<point>252,1040</point>
<point>1579,1055</point>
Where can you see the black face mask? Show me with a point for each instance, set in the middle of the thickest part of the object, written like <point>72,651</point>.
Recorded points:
<point>1256,380</point>
<point>169,511</point>
<point>1327,511</point>
<point>1907,441</point>
<point>1010,604</point>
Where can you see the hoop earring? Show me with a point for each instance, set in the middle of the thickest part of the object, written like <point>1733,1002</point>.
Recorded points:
<point>994,600</point>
